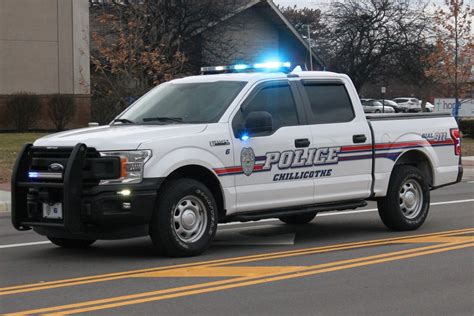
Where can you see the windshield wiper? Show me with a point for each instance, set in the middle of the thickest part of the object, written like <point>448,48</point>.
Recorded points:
<point>163,119</point>
<point>123,120</point>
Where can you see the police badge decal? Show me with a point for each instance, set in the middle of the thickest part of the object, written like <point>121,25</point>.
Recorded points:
<point>247,160</point>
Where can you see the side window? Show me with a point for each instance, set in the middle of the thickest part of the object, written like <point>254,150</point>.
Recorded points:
<point>276,100</point>
<point>330,103</point>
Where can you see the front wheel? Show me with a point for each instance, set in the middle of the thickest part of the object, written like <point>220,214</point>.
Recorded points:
<point>71,243</point>
<point>185,219</point>
<point>407,202</point>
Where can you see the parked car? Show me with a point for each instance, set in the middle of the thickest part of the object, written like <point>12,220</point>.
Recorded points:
<point>408,104</point>
<point>213,148</point>
<point>391,104</point>
<point>429,107</point>
<point>374,106</point>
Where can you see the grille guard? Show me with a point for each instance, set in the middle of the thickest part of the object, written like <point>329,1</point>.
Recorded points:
<point>73,180</point>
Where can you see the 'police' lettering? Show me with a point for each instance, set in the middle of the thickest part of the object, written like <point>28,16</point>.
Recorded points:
<point>301,158</point>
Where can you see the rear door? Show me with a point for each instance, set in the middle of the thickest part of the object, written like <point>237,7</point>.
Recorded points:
<point>341,142</point>
<point>263,172</point>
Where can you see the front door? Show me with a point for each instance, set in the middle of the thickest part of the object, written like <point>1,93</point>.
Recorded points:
<point>269,166</point>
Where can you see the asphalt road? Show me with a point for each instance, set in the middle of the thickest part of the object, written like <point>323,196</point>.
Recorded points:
<point>344,263</point>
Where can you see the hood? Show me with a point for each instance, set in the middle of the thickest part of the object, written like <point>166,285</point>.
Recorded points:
<point>119,137</point>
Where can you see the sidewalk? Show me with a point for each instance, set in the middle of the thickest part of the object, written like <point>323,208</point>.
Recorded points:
<point>5,202</point>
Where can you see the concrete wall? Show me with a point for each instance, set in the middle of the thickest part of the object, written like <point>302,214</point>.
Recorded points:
<point>44,48</point>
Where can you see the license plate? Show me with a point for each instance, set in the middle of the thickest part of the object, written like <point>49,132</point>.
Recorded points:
<point>53,211</point>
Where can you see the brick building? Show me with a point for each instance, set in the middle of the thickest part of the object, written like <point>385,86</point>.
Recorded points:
<point>44,48</point>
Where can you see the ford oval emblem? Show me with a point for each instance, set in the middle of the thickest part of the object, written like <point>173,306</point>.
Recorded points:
<point>56,167</point>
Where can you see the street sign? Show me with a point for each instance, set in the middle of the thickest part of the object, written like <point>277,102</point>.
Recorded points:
<point>384,89</point>
<point>446,106</point>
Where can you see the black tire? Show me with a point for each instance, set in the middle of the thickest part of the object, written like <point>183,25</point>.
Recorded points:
<point>378,111</point>
<point>298,219</point>
<point>71,243</point>
<point>392,210</point>
<point>168,218</point>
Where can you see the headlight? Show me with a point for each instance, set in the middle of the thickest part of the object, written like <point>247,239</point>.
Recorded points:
<point>131,165</point>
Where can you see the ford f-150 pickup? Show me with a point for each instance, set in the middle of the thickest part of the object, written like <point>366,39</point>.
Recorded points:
<point>240,145</point>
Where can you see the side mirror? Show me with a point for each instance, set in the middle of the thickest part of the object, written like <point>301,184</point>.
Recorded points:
<point>258,122</point>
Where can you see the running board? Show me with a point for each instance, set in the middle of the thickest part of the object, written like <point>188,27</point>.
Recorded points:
<point>276,213</point>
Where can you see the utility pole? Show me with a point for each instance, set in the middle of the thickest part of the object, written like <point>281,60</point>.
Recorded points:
<point>310,50</point>
<point>456,44</point>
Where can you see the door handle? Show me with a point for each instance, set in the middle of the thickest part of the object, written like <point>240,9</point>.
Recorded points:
<point>361,138</point>
<point>302,142</point>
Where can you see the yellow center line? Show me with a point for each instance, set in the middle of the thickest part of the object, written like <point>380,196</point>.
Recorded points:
<point>248,283</point>
<point>243,281</point>
<point>267,256</point>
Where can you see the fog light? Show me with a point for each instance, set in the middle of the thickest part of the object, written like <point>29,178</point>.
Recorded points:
<point>125,192</point>
<point>126,205</point>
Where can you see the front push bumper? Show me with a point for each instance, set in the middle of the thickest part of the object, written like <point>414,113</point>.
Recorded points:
<point>89,210</point>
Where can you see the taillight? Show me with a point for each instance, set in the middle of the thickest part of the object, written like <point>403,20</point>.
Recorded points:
<point>456,137</point>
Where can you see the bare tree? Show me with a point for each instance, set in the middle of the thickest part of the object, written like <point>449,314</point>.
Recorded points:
<point>138,44</point>
<point>364,36</point>
<point>452,60</point>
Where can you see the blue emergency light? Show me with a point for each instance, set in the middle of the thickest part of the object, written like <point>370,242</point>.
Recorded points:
<point>269,66</point>
<point>33,174</point>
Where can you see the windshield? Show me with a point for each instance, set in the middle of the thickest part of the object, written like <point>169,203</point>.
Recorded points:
<point>174,103</point>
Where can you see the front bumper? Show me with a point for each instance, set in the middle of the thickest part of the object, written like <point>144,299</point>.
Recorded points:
<point>88,210</point>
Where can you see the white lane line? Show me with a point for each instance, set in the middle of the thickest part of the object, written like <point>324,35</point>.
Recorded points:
<point>25,244</point>
<point>263,220</point>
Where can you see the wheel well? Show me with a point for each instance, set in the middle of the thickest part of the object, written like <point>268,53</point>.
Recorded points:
<point>420,161</point>
<point>205,176</point>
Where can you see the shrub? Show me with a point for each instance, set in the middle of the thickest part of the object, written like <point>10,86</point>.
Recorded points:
<point>104,110</point>
<point>467,127</point>
<point>23,109</point>
<point>61,110</point>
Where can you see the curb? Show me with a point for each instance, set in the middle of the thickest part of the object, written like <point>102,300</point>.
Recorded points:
<point>5,207</point>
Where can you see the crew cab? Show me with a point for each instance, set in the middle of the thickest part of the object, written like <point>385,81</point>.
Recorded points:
<point>241,145</point>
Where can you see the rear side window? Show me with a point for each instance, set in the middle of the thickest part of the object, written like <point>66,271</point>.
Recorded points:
<point>330,103</point>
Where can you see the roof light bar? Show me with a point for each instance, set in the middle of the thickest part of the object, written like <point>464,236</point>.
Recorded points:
<point>266,66</point>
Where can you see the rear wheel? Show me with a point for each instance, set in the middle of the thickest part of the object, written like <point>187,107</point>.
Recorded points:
<point>298,219</point>
<point>407,202</point>
<point>185,220</point>
<point>71,243</point>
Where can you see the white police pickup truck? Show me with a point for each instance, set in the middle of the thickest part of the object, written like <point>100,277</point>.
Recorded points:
<point>241,145</point>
